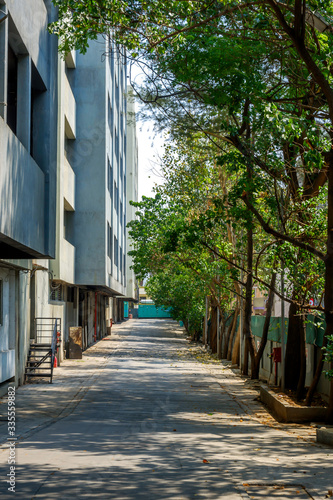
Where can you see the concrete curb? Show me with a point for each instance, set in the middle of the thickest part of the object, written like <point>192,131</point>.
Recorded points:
<point>325,436</point>
<point>288,413</point>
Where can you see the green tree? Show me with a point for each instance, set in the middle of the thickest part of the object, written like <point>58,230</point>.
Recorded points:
<point>282,83</point>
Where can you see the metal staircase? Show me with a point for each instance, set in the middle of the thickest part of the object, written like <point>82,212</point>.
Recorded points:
<point>43,348</point>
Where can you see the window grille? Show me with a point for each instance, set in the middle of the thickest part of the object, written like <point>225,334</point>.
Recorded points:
<point>56,293</point>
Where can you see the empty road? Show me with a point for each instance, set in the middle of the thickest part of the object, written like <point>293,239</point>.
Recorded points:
<point>143,416</point>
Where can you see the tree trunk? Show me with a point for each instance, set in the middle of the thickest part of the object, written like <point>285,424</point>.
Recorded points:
<point>245,370</point>
<point>235,350</point>
<point>292,359</point>
<point>232,334</point>
<point>301,380</point>
<point>213,336</point>
<point>315,380</point>
<point>205,324</point>
<point>255,366</point>
<point>222,328</point>
<point>249,339</point>
<point>226,340</point>
<point>328,305</point>
<point>329,416</point>
<point>226,337</point>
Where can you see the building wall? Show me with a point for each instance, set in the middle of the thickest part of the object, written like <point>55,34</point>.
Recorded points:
<point>98,160</point>
<point>28,68</point>
<point>63,267</point>
<point>28,159</point>
<point>91,199</point>
<point>131,190</point>
<point>7,325</point>
<point>63,185</point>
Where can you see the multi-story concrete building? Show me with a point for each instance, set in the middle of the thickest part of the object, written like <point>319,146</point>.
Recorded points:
<point>63,184</point>
<point>54,294</point>
<point>28,153</point>
<point>132,289</point>
<point>99,154</point>
<point>88,276</point>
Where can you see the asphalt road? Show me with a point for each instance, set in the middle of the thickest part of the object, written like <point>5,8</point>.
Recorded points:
<point>143,417</point>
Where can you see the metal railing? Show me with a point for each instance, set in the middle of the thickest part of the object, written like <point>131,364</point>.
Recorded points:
<point>48,333</point>
<point>44,329</point>
<point>54,344</point>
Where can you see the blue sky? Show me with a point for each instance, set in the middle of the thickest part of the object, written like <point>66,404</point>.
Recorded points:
<point>150,150</point>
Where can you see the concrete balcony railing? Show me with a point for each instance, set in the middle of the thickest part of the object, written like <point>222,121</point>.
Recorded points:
<point>22,195</point>
<point>68,182</point>
<point>67,262</point>
<point>70,59</point>
<point>70,110</point>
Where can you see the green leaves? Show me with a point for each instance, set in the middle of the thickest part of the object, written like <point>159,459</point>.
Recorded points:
<point>249,111</point>
<point>328,356</point>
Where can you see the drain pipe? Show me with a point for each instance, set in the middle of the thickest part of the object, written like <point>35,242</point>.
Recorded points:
<point>95,332</point>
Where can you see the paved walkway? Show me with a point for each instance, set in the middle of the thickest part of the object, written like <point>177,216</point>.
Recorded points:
<point>146,415</point>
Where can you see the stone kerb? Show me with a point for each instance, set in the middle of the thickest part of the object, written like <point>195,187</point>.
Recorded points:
<point>325,436</point>
<point>285,412</point>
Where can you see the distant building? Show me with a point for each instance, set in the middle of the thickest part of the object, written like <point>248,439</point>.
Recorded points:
<point>132,289</point>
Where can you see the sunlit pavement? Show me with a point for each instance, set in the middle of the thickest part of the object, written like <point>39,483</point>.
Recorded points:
<point>140,417</point>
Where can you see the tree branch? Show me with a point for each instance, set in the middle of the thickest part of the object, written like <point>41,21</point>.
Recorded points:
<point>264,283</point>
<point>268,229</point>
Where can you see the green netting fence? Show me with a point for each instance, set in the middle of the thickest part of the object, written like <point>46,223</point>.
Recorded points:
<point>315,328</point>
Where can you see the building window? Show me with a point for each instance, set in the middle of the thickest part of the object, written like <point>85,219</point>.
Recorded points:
<point>70,294</point>
<point>110,177</point>
<point>115,246</point>
<point>121,166</point>
<point>69,226</point>
<point>116,142</point>
<point>111,57</point>
<point>37,132</point>
<point>109,236</point>
<point>108,240</point>
<point>1,302</point>
<point>12,89</point>
<point>116,197</point>
<point>110,115</point>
